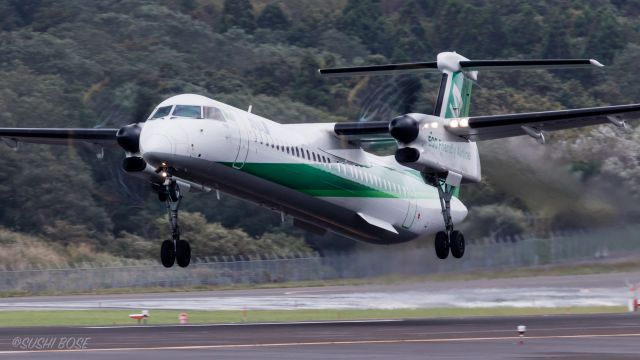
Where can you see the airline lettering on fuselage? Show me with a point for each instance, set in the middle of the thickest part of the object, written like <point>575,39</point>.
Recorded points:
<point>448,148</point>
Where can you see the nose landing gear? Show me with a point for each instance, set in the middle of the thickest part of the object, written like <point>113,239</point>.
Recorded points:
<point>174,250</point>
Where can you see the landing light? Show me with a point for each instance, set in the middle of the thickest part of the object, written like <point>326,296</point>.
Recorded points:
<point>462,122</point>
<point>434,125</point>
<point>164,174</point>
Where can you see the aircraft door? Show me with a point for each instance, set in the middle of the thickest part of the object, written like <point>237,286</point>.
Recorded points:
<point>242,122</point>
<point>410,218</point>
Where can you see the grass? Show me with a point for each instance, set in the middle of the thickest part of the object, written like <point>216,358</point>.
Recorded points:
<point>624,265</point>
<point>120,317</point>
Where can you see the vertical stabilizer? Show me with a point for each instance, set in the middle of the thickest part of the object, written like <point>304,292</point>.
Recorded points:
<point>454,96</point>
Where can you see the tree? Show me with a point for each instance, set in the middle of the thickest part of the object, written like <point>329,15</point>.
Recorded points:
<point>411,44</point>
<point>556,43</point>
<point>272,17</point>
<point>238,13</point>
<point>310,87</point>
<point>606,37</point>
<point>363,18</point>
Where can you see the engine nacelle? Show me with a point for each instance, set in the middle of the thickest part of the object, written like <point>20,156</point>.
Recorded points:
<point>425,145</point>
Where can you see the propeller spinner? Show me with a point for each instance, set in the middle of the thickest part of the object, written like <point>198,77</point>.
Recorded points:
<point>128,137</point>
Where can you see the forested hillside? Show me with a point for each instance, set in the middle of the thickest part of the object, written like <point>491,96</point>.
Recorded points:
<point>66,63</point>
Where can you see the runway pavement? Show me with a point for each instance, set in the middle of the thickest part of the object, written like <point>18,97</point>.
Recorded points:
<point>610,336</point>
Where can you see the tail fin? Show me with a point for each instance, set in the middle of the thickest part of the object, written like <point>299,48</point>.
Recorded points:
<point>458,74</point>
<point>454,96</point>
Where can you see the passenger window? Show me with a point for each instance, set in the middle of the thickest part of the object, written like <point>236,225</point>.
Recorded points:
<point>213,113</point>
<point>161,112</point>
<point>188,111</point>
<point>314,156</point>
<point>308,156</point>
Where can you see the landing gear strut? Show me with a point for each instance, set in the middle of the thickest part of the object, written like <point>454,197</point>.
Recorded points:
<point>448,240</point>
<point>174,250</point>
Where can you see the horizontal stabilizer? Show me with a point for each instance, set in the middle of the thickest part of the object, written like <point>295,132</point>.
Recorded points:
<point>528,64</point>
<point>378,223</point>
<point>453,62</point>
<point>389,69</point>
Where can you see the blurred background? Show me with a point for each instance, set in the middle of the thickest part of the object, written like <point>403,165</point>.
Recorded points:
<point>67,63</point>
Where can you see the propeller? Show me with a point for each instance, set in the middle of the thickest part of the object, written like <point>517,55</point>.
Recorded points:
<point>128,137</point>
<point>404,128</point>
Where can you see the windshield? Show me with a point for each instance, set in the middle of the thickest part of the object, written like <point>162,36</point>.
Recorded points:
<point>190,111</point>
<point>161,112</point>
<point>213,113</point>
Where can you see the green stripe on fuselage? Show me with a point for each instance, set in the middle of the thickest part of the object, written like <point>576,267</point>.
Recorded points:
<point>316,180</point>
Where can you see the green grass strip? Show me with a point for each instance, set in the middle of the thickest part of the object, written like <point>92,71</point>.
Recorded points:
<point>120,317</point>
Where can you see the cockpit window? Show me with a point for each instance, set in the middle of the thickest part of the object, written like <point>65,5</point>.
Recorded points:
<point>213,113</point>
<point>161,112</point>
<point>189,111</point>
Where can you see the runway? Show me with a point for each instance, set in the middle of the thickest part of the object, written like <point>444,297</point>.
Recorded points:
<point>610,336</point>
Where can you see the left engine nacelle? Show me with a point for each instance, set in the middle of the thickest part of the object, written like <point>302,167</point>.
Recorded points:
<point>425,145</point>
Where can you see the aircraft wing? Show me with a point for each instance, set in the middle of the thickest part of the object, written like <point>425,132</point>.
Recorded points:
<point>479,128</point>
<point>364,131</point>
<point>58,136</point>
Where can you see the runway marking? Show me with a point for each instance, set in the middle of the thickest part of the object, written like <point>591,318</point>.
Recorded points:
<point>320,343</point>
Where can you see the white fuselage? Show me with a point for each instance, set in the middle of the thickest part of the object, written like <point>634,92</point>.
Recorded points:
<point>302,170</point>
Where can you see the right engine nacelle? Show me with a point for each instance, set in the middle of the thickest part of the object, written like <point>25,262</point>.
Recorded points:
<point>425,145</point>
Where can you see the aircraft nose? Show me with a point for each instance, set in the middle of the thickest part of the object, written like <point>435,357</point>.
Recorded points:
<point>156,148</point>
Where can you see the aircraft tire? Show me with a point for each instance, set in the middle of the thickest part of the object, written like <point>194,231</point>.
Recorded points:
<point>457,244</point>
<point>162,196</point>
<point>167,253</point>
<point>174,192</point>
<point>183,253</point>
<point>442,245</point>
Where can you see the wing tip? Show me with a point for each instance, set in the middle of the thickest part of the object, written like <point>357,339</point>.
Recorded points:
<point>595,62</point>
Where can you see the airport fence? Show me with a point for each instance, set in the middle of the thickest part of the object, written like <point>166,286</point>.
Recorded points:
<point>481,255</point>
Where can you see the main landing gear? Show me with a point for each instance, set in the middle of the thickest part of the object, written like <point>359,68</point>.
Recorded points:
<point>174,250</point>
<point>448,240</point>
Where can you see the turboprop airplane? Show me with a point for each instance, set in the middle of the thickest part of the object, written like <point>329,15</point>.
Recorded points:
<point>319,173</point>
